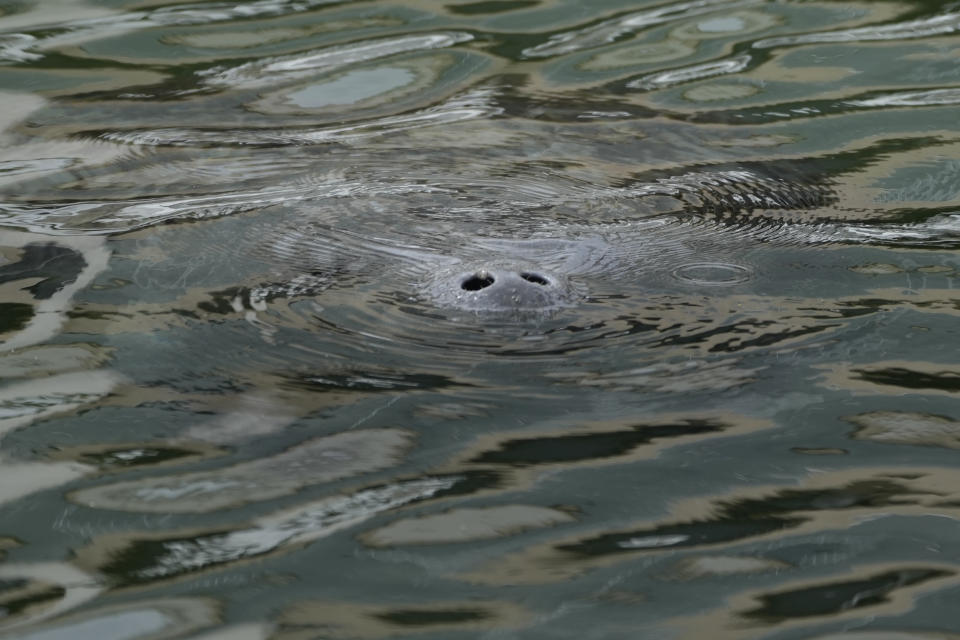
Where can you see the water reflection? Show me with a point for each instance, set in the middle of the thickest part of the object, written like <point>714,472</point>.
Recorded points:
<point>721,522</point>
<point>158,618</point>
<point>146,558</point>
<point>38,591</point>
<point>313,462</point>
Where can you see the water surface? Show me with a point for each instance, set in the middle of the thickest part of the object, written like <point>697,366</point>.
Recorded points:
<point>261,375</point>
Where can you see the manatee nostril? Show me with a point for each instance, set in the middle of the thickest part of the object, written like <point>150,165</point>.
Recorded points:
<point>479,280</point>
<point>535,278</point>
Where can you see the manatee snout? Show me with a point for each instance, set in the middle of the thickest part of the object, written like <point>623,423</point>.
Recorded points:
<point>501,288</point>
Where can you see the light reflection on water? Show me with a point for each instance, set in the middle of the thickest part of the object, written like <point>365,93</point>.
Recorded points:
<point>519,319</point>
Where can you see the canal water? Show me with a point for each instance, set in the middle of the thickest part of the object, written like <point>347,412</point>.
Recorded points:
<point>500,319</point>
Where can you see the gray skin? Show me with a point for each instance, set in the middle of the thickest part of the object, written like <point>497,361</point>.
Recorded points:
<point>506,270</point>
<point>514,281</point>
<point>503,286</point>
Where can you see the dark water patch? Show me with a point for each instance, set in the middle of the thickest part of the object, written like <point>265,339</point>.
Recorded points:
<point>19,596</point>
<point>678,536</point>
<point>860,494</point>
<point>836,597</point>
<point>905,378</point>
<point>222,302</point>
<point>820,451</point>
<point>427,618</point>
<point>5,544</point>
<point>96,314</point>
<point>55,265</point>
<point>390,618</point>
<point>14,316</point>
<point>863,306</point>
<point>572,448</point>
<point>110,458</point>
<point>208,382</point>
<point>469,482</point>
<point>371,381</point>
<point>491,6</point>
<point>745,335</point>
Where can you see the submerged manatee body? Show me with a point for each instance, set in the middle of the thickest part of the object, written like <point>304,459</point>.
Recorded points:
<point>521,263</point>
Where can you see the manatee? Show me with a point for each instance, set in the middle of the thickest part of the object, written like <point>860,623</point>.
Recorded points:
<point>519,262</point>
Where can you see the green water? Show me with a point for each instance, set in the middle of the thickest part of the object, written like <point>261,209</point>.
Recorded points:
<point>533,319</point>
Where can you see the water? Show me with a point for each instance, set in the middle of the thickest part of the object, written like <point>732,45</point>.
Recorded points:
<point>501,319</point>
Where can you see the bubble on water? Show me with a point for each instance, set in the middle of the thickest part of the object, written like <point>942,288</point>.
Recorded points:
<point>713,273</point>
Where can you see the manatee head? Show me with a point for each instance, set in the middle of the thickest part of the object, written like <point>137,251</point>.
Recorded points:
<point>500,287</point>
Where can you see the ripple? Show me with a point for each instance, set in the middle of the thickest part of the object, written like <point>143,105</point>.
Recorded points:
<point>921,28</point>
<point>46,360</point>
<point>713,273</point>
<point>103,217</point>
<point>620,284</point>
<point>830,501</point>
<point>469,105</point>
<point>911,99</point>
<point>237,171</point>
<point>273,71</point>
<point>689,376</point>
<point>26,402</point>
<point>465,524</point>
<point>158,556</point>
<point>663,79</point>
<point>728,192</point>
<point>324,459</point>
<point>938,232</point>
<point>93,217</point>
<point>608,31</point>
<point>723,26</point>
<point>158,618</point>
<point>23,47</point>
<point>46,590</point>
